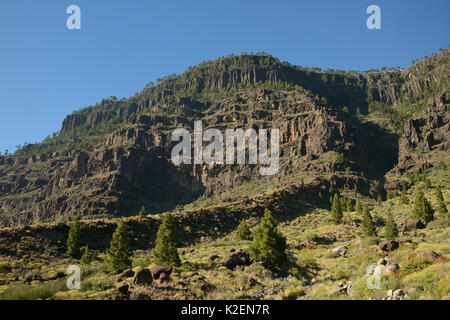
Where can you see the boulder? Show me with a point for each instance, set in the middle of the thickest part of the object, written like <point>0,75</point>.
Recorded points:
<point>126,274</point>
<point>240,258</point>
<point>411,225</point>
<point>143,276</point>
<point>388,246</point>
<point>162,272</point>
<point>34,275</point>
<point>123,289</point>
<point>428,254</point>
<point>339,251</point>
<point>204,286</point>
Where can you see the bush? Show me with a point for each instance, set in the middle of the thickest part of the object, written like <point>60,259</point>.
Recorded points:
<point>415,265</point>
<point>243,231</point>
<point>292,293</point>
<point>40,292</point>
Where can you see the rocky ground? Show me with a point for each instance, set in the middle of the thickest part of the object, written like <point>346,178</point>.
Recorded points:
<point>325,262</point>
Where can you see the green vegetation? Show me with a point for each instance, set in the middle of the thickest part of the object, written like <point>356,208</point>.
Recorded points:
<point>119,252</point>
<point>336,210</point>
<point>166,243</point>
<point>391,229</point>
<point>422,208</point>
<point>367,224</point>
<point>269,244</point>
<point>74,239</point>
<point>142,213</point>
<point>243,231</point>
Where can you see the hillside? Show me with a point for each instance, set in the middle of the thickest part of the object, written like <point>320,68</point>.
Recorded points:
<point>376,136</point>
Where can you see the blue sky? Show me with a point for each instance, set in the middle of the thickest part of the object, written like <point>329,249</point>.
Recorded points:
<point>47,71</point>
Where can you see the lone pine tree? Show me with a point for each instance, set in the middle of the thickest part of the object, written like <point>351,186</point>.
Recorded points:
<point>119,252</point>
<point>368,226</point>
<point>74,239</point>
<point>166,243</point>
<point>442,208</point>
<point>336,210</point>
<point>269,244</point>
<point>422,208</point>
<point>142,213</point>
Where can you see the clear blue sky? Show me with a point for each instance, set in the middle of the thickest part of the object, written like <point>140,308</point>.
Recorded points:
<point>47,71</point>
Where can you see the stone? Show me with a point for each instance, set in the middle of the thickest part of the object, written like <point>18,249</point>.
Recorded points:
<point>240,258</point>
<point>143,276</point>
<point>126,274</point>
<point>162,272</point>
<point>388,246</point>
<point>34,275</point>
<point>339,251</point>
<point>123,289</point>
<point>428,255</point>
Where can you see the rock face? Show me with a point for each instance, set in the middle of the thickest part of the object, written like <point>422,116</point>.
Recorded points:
<point>240,258</point>
<point>112,158</point>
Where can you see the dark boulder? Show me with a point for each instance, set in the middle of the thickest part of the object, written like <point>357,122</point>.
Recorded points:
<point>143,276</point>
<point>240,258</point>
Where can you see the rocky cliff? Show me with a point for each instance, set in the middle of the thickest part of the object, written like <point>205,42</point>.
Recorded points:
<point>112,158</point>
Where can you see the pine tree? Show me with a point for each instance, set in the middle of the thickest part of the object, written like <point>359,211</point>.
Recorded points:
<point>336,210</point>
<point>439,196</point>
<point>350,207</point>
<point>390,230</point>
<point>119,252</point>
<point>142,213</point>
<point>379,199</point>
<point>404,196</point>
<point>422,208</point>
<point>243,231</point>
<point>74,239</point>
<point>442,208</point>
<point>166,243</point>
<point>86,258</point>
<point>269,244</point>
<point>368,226</point>
<point>358,207</point>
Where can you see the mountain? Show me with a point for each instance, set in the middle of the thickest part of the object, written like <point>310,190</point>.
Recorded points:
<point>375,138</point>
<point>110,159</point>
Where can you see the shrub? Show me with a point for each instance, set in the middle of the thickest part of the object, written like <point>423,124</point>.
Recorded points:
<point>416,264</point>
<point>243,231</point>
<point>40,292</point>
<point>86,258</point>
<point>269,245</point>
